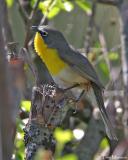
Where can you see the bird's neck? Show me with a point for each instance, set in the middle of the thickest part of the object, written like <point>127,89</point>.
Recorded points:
<point>48,55</point>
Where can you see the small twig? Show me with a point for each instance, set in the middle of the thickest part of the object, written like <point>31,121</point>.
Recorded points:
<point>98,60</point>
<point>113,93</point>
<point>90,28</point>
<point>101,57</point>
<point>32,14</point>
<point>123,9</point>
<point>115,48</point>
<point>47,12</point>
<point>28,60</point>
<point>30,20</point>
<point>104,50</point>
<point>45,16</point>
<point>23,12</point>
<point>94,49</point>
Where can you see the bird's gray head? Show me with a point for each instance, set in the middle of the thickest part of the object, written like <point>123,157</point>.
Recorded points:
<point>52,37</point>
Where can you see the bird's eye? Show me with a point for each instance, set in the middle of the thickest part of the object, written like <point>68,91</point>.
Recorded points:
<point>44,33</point>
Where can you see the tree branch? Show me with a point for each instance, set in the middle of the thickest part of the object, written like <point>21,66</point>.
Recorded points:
<point>29,24</point>
<point>90,28</point>
<point>93,136</point>
<point>123,9</point>
<point>6,103</point>
<point>22,11</point>
<point>49,108</point>
<point>5,23</point>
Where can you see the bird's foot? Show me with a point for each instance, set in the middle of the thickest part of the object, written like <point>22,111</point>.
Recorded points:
<point>77,101</point>
<point>71,87</point>
<point>87,86</point>
<point>80,96</point>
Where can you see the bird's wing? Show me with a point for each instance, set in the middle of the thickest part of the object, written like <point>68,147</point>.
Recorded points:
<point>84,68</point>
<point>80,64</point>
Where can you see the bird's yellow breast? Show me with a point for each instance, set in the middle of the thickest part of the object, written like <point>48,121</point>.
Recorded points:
<point>49,56</point>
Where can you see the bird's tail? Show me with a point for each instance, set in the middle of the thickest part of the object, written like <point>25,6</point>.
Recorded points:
<point>108,125</point>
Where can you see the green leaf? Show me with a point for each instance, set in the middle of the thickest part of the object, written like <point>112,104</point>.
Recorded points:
<point>19,156</point>
<point>54,11</point>
<point>84,5</point>
<point>32,2</point>
<point>68,6</point>
<point>46,4</point>
<point>64,5</point>
<point>68,157</point>
<point>52,8</point>
<point>113,56</point>
<point>25,105</point>
<point>9,3</point>
<point>63,136</point>
<point>104,68</point>
<point>97,45</point>
<point>49,8</point>
<point>104,143</point>
<point>19,142</point>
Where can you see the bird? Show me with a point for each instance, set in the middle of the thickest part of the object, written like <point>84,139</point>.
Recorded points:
<point>68,68</point>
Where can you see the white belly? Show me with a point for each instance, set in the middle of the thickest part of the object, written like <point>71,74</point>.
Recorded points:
<point>68,77</point>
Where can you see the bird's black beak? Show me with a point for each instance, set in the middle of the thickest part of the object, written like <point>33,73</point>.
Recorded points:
<point>35,28</point>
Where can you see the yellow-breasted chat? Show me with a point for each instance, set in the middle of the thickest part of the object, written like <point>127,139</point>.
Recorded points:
<point>68,67</point>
